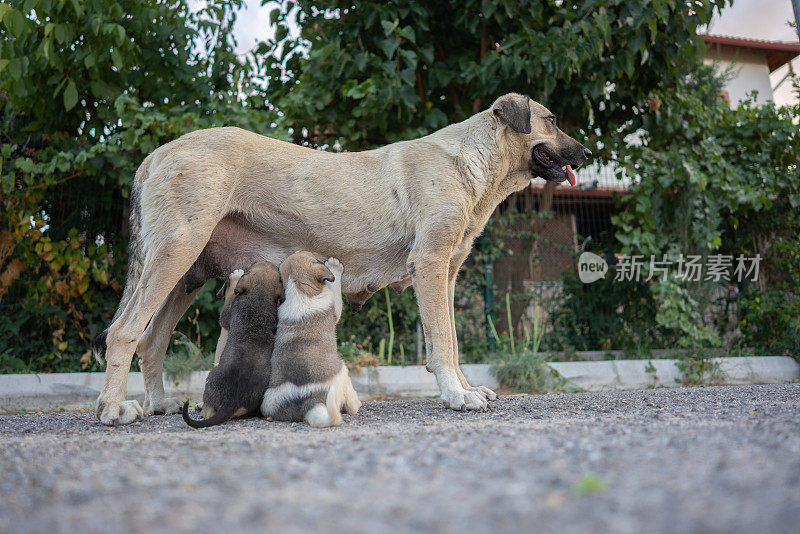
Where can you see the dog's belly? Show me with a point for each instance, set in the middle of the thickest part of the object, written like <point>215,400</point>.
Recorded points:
<point>237,243</point>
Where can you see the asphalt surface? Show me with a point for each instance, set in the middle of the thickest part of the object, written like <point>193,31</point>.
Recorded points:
<point>717,459</point>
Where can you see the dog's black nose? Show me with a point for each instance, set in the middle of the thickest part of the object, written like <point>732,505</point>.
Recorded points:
<point>587,153</point>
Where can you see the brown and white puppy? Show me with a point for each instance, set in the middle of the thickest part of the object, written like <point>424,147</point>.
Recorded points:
<point>309,381</point>
<point>236,386</point>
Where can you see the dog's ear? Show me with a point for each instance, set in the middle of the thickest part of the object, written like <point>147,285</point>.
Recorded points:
<point>323,274</point>
<point>515,112</point>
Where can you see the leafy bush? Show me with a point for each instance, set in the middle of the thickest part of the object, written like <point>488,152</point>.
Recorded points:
<point>518,364</point>
<point>86,93</point>
<point>708,173</point>
<point>606,315</point>
<point>771,316</point>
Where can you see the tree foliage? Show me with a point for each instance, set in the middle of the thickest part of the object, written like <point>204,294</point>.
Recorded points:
<point>87,90</point>
<point>366,73</point>
<point>89,87</point>
<point>712,179</point>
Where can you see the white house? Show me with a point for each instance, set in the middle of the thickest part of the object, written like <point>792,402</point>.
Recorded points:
<point>752,60</point>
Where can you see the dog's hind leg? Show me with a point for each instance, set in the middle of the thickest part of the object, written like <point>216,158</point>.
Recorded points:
<point>164,266</point>
<point>153,347</point>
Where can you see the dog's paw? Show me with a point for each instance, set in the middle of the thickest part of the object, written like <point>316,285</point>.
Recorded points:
<point>487,393</point>
<point>460,399</point>
<point>335,266</point>
<point>118,413</point>
<point>162,406</point>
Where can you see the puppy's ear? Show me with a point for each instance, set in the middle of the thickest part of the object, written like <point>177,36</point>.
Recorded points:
<point>323,274</point>
<point>242,286</point>
<point>224,289</point>
<point>515,112</point>
<point>225,316</point>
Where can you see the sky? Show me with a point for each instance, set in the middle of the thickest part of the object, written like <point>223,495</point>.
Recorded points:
<point>756,19</point>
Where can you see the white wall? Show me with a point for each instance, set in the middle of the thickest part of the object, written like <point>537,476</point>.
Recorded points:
<point>750,69</point>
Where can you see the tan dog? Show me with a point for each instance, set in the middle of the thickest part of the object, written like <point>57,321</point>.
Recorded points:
<point>309,380</point>
<point>407,213</point>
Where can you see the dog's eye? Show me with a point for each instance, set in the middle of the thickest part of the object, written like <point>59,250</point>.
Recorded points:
<point>552,119</point>
<point>237,292</point>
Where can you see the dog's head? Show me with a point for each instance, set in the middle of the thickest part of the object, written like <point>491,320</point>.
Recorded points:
<point>549,153</point>
<point>262,279</point>
<point>307,272</point>
<point>261,282</point>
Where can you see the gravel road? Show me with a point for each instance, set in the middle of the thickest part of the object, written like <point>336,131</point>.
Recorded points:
<point>716,459</point>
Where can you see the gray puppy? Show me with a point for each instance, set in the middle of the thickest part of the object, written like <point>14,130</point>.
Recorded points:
<point>309,381</point>
<point>236,386</point>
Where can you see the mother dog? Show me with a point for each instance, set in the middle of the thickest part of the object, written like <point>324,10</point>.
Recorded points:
<point>219,199</point>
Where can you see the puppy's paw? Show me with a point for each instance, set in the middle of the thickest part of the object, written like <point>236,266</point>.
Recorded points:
<point>335,266</point>
<point>118,413</point>
<point>162,406</point>
<point>319,417</point>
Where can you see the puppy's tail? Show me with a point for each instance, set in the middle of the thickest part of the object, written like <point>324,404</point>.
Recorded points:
<point>224,413</point>
<point>99,347</point>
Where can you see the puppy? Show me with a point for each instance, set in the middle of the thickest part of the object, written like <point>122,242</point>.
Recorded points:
<point>309,379</point>
<point>236,386</point>
<point>227,293</point>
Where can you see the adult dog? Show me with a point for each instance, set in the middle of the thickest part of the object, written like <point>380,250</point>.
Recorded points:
<point>216,200</point>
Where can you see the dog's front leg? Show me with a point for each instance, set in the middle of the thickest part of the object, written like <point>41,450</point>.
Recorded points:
<point>429,275</point>
<point>451,289</point>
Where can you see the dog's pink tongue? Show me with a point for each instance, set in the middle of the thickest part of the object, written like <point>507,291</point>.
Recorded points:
<point>570,175</point>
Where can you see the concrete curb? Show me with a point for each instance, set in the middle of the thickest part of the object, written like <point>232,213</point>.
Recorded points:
<point>633,374</point>
<point>30,392</point>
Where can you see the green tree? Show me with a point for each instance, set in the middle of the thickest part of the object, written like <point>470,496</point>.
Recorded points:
<point>367,73</point>
<point>87,90</point>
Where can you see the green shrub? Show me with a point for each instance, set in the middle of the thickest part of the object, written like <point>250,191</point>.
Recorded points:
<point>518,364</point>
<point>771,316</point>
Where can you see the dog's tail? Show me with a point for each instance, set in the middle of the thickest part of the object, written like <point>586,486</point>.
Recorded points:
<point>224,413</point>
<point>136,255</point>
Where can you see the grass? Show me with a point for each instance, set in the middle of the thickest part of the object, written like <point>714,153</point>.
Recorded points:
<point>518,364</point>
<point>186,358</point>
<point>588,485</point>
